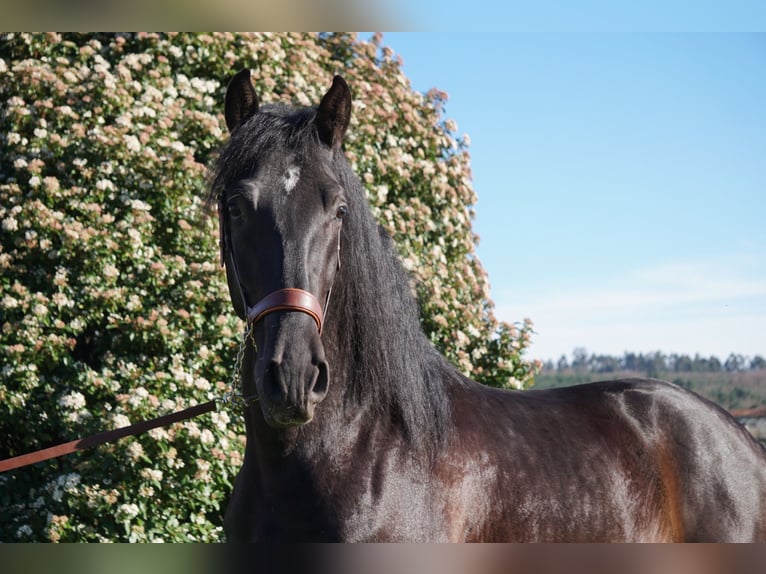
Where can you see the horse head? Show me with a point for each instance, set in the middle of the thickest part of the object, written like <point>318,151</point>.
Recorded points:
<point>281,209</point>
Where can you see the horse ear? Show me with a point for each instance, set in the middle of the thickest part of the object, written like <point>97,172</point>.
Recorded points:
<point>334,113</point>
<point>241,100</point>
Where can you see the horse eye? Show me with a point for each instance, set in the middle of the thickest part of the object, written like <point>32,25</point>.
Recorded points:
<point>342,211</point>
<point>234,211</point>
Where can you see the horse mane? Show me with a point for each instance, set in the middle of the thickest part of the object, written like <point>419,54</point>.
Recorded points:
<point>396,369</point>
<point>392,368</point>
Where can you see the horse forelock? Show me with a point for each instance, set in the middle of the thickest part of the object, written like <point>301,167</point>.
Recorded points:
<point>275,128</point>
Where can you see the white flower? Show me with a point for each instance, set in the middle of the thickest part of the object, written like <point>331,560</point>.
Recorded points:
<point>461,339</point>
<point>132,143</point>
<point>135,236</point>
<point>204,86</point>
<point>40,310</point>
<point>147,111</point>
<point>20,163</point>
<point>139,205</point>
<point>220,419</point>
<point>34,181</point>
<point>74,401</point>
<point>206,437</point>
<point>134,302</point>
<point>69,481</point>
<point>138,395</point>
<point>110,271</point>
<point>119,420</point>
<point>151,474</point>
<point>3,69</point>
<point>192,429</point>
<point>159,434</point>
<point>60,299</point>
<point>64,483</point>
<point>515,383</point>
<point>104,185</point>
<point>10,224</point>
<point>135,450</point>
<point>129,510</point>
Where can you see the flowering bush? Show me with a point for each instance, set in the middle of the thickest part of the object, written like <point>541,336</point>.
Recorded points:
<point>114,308</point>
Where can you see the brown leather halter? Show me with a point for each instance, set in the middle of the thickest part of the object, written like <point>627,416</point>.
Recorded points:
<point>287,299</point>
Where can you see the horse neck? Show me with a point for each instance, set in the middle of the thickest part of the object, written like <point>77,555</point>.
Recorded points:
<point>385,377</point>
<point>377,346</point>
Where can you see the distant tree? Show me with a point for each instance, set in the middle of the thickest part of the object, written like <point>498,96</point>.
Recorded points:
<point>699,364</point>
<point>604,364</point>
<point>655,364</point>
<point>734,363</point>
<point>580,359</point>
<point>562,363</point>
<point>630,361</point>
<point>682,364</point>
<point>757,363</point>
<point>714,365</point>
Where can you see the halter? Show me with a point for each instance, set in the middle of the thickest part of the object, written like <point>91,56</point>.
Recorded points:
<point>287,299</point>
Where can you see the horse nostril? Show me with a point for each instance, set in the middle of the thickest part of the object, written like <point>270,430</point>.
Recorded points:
<point>273,382</point>
<point>319,388</point>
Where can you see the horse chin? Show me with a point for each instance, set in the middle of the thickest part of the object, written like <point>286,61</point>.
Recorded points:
<point>286,417</point>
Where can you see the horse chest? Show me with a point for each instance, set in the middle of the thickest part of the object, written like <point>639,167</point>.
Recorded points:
<point>376,499</point>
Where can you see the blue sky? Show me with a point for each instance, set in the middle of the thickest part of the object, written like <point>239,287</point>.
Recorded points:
<point>621,182</point>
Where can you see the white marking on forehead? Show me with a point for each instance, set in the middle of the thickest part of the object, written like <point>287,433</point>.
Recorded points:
<point>251,189</point>
<point>290,178</point>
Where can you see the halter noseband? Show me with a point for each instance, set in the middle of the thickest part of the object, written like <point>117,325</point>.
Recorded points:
<point>289,299</point>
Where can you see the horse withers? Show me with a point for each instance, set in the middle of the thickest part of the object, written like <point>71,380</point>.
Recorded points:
<point>359,430</point>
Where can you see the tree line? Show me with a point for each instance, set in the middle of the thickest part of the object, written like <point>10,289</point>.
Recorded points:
<point>652,364</point>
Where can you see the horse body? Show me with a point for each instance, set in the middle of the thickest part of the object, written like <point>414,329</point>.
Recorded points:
<point>364,432</point>
<point>592,463</point>
<point>629,460</point>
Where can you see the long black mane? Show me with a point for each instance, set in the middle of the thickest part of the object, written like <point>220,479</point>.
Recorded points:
<point>395,366</point>
<point>392,368</point>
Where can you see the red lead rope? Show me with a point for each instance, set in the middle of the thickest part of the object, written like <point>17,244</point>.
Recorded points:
<point>104,437</point>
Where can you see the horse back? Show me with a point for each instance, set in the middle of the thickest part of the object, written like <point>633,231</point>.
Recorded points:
<point>632,460</point>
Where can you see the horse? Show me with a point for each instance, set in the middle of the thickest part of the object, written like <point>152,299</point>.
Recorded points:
<point>358,429</point>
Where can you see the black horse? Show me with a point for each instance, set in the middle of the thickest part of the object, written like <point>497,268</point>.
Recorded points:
<point>402,446</point>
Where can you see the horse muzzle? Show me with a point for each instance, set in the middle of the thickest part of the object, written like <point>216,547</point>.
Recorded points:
<point>289,398</point>
<point>293,376</point>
